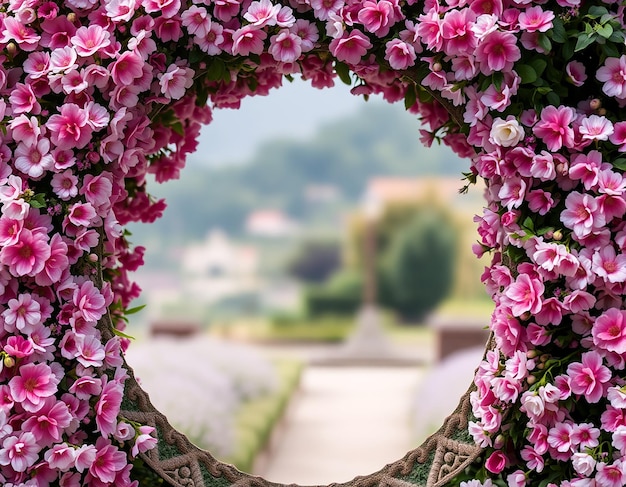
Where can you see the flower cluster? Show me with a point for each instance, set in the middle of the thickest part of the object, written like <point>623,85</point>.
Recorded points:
<point>96,94</point>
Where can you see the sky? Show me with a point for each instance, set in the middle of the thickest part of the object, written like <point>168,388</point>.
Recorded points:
<point>296,110</point>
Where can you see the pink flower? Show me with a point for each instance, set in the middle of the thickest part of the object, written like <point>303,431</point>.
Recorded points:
<point>248,40</point>
<point>582,214</point>
<point>611,475</point>
<point>166,8</point>
<point>613,75</point>
<point>61,456</point>
<point>399,54</point>
<point>144,441</point>
<point>609,266</point>
<point>28,255</point>
<point>20,452</point>
<point>595,127</point>
<point>108,407</point>
<point>351,47</point>
<point>69,129</point>
<point>89,40</point>
<point>89,351</point>
<point>585,435</point>
<point>261,13</point>
<point>552,256</point>
<point>554,127</point>
<point>457,31</point>
<point>285,47</point>
<point>377,17</point>
<point>308,33</point>
<point>127,68</point>
<point>533,459</point>
<point>586,168</point>
<point>539,201</point>
<point>197,20</point>
<point>34,160</point>
<point>498,51</point>
<point>534,19</point>
<point>89,301</point>
<point>33,385</point>
<point>85,387</point>
<point>589,377</point>
<point>23,100</point>
<point>576,73</point>
<point>496,462</point>
<point>108,461</point>
<point>618,137</point>
<point>559,437</point>
<point>543,166</point>
<point>49,422</point>
<point>65,184</point>
<point>175,81</point>
<point>609,331</point>
<point>14,29</point>
<point>525,294</point>
<point>22,313</point>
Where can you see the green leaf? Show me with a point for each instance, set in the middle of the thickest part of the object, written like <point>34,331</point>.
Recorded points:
<point>544,41</point>
<point>526,72</point>
<point>529,224</point>
<point>610,50</point>
<point>497,79</point>
<point>122,334</point>
<point>216,70</point>
<point>568,50</point>
<point>558,33</point>
<point>620,163</point>
<point>617,37</point>
<point>136,309</point>
<point>539,65</point>
<point>38,201</point>
<point>596,11</point>
<point>553,99</point>
<point>410,97</point>
<point>606,18</point>
<point>584,41</point>
<point>605,30</point>
<point>343,72</point>
<point>178,128</point>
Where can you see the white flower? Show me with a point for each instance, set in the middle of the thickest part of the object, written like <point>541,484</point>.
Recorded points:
<point>506,133</point>
<point>583,463</point>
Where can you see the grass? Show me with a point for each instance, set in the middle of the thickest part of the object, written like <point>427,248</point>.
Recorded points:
<point>256,419</point>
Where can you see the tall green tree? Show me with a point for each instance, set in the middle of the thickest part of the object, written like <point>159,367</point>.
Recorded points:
<point>417,269</point>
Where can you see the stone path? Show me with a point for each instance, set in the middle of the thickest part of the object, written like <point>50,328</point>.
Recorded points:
<point>344,422</point>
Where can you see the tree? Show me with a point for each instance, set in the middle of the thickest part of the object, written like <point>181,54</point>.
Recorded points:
<point>417,269</point>
<point>315,261</point>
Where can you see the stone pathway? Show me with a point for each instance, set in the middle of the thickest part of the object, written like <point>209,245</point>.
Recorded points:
<point>344,422</point>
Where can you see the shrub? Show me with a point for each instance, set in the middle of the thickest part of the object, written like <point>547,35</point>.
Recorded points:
<point>418,267</point>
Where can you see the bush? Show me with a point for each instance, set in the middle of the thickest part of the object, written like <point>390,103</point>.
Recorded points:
<point>342,295</point>
<point>418,267</point>
<point>316,261</point>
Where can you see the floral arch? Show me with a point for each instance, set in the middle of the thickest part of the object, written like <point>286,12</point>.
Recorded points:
<point>95,94</point>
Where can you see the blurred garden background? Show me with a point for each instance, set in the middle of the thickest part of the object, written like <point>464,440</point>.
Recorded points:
<point>263,262</point>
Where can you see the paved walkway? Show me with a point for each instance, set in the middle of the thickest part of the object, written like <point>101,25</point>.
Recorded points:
<point>344,422</point>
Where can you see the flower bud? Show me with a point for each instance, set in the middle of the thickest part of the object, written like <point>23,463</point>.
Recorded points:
<point>8,361</point>
<point>595,103</point>
<point>557,235</point>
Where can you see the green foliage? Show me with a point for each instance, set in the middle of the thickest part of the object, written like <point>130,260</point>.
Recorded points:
<point>418,267</point>
<point>341,296</point>
<point>315,261</point>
